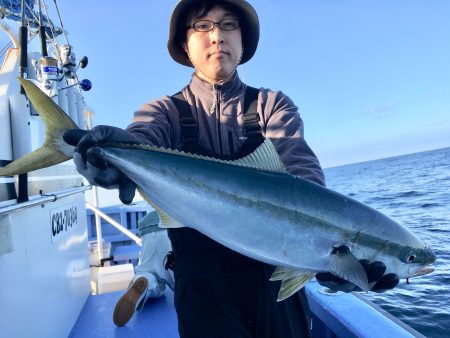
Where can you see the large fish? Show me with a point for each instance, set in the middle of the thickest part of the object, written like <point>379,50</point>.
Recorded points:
<point>252,206</point>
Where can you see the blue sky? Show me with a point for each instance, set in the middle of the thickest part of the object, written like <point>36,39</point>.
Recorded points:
<point>371,78</point>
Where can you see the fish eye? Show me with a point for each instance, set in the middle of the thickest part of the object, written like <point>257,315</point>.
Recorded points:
<point>411,258</point>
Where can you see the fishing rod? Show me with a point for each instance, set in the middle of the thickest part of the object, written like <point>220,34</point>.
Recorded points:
<point>22,194</point>
<point>42,33</point>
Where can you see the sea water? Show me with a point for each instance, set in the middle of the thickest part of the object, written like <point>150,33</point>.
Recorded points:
<point>414,190</point>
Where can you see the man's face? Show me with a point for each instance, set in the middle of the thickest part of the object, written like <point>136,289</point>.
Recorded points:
<point>214,54</point>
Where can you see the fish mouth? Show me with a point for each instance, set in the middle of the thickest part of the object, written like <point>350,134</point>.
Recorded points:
<point>424,271</point>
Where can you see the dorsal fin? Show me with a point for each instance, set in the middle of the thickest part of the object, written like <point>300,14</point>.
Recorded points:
<point>265,157</point>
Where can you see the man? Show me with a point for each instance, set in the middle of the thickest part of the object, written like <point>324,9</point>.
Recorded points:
<point>219,293</point>
<point>150,276</point>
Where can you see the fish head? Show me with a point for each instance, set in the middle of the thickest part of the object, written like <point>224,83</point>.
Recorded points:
<point>402,252</point>
<point>416,261</point>
<point>409,261</point>
<point>387,241</point>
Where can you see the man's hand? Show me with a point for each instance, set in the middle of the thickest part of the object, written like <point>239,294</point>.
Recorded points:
<point>378,281</point>
<point>90,162</point>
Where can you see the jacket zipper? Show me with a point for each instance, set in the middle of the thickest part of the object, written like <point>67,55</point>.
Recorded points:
<point>219,133</point>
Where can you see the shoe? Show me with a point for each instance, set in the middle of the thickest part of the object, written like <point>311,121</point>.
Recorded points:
<point>126,305</point>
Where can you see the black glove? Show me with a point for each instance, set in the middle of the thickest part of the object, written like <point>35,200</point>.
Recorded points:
<point>378,281</point>
<point>89,159</point>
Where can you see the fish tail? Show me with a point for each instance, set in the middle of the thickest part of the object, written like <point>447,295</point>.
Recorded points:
<point>56,121</point>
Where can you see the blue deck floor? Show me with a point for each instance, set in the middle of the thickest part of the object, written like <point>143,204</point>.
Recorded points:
<point>96,319</point>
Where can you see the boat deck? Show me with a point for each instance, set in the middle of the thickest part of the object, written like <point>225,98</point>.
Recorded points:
<point>157,319</point>
<point>336,315</point>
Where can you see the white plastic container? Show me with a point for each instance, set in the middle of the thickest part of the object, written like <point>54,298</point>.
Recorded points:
<point>115,277</point>
<point>93,251</point>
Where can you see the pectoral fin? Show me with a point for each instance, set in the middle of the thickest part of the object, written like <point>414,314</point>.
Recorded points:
<point>344,265</point>
<point>291,285</point>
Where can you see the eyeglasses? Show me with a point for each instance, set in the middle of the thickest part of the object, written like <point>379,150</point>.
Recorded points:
<point>208,25</point>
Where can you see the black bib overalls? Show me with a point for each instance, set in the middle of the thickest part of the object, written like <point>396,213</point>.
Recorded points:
<point>220,293</point>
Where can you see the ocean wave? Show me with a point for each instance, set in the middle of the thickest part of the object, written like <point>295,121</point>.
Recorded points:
<point>411,193</point>
<point>415,191</point>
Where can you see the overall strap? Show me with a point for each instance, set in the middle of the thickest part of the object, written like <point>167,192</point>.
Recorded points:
<point>189,127</point>
<point>252,129</point>
<point>251,117</point>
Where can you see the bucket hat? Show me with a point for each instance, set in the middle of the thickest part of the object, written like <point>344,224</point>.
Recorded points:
<point>249,24</point>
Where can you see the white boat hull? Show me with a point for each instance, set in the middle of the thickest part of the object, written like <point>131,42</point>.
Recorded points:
<point>44,268</point>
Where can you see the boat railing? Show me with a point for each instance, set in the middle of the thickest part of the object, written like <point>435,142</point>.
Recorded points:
<point>98,226</point>
<point>54,196</point>
<point>42,199</point>
<point>114,223</point>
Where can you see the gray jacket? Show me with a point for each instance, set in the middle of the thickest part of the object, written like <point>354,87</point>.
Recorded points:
<point>218,110</point>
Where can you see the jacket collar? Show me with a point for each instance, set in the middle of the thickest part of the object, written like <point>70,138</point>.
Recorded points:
<point>202,88</point>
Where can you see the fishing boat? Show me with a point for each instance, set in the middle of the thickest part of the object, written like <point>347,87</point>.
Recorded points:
<point>44,271</point>
<point>62,268</point>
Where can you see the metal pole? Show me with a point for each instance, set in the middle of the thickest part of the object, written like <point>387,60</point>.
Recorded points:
<point>42,200</point>
<point>115,224</point>
<point>98,223</point>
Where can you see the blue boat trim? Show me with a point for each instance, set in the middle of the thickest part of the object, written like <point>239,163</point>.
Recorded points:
<point>350,316</point>
<point>391,317</point>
